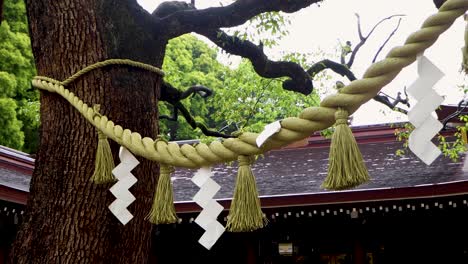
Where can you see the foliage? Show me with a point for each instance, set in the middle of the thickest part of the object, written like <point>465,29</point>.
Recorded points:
<point>267,27</point>
<point>10,134</point>
<point>16,71</point>
<point>402,134</point>
<point>15,14</point>
<point>189,62</point>
<point>28,113</point>
<point>328,132</point>
<point>451,146</point>
<point>248,101</point>
<point>242,100</point>
<point>236,103</point>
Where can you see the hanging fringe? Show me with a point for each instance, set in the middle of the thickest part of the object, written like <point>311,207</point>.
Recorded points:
<point>163,210</point>
<point>245,213</point>
<point>104,162</point>
<point>346,168</point>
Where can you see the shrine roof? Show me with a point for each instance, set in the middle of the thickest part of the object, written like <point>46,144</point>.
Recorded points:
<point>302,170</point>
<point>15,174</point>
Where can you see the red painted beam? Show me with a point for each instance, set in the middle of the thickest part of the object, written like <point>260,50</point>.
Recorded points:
<point>12,195</point>
<point>343,197</point>
<point>14,160</point>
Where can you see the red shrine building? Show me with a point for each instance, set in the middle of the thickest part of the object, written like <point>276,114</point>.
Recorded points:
<point>408,213</point>
<point>15,174</point>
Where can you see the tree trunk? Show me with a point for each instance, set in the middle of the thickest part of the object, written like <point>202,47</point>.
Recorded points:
<point>67,219</point>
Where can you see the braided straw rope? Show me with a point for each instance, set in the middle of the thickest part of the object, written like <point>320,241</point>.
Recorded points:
<point>293,128</point>
<point>102,64</point>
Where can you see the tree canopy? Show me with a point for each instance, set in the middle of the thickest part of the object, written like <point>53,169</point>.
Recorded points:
<point>18,101</point>
<point>188,61</point>
<point>241,98</point>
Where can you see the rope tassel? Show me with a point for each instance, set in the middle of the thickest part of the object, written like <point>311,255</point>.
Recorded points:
<point>346,168</point>
<point>163,210</point>
<point>245,214</point>
<point>104,162</point>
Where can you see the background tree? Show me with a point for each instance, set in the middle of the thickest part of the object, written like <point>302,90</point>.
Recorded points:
<point>18,101</point>
<point>189,62</point>
<point>257,101</point>
<point>241,98</point>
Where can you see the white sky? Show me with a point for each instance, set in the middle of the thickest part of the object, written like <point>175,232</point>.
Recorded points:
<point>321,27</point>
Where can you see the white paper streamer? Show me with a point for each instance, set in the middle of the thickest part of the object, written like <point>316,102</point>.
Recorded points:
<point>125,180</point>
<point>207,219</point>
<point>426,126</point>
<point>267,132</point>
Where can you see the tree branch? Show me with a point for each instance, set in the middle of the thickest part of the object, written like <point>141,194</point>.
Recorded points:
<point>363,39</point>
<point>169,93</point>
<point>462,105</point>
<point>194,124</point>
<point>341,69</point>
<point>380,22</point>
<point>173,117</point>
<point>386,41</point>
<point>201,90</point>
<point>300,80</point>
<point>385,100</point>
<point>173,96</point>
<point>188,20</point>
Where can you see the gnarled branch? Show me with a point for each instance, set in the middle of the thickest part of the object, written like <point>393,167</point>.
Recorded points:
<point>386,41</point>
<point>179,107</point>
<point>343,70</point>
<point>339,68</point>
<point>173,117</point>
<point>385,99</point>
<point>194,124</point>
<point>188,20</point>
<point>363,38</point>
<point>300,80</point>
<point>201,90</point>
<point>173,96</point>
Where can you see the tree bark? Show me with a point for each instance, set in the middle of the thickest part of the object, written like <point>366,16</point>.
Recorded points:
<point>67,219</point>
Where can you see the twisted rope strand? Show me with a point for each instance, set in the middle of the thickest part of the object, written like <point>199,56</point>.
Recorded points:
<point>102,64</point>
<point>310,119</point>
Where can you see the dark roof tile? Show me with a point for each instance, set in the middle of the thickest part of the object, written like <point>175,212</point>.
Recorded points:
<point>298,171</point>
<point>14,179</point>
